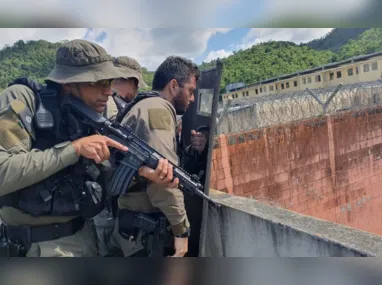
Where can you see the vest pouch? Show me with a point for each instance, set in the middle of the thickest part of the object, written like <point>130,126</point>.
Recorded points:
<point>35,201</point>
<point>92,200</point>
<point>66,200</point>
<point>60,198</point>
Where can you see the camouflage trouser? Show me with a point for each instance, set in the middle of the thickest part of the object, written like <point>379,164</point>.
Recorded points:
<point>81,244</point>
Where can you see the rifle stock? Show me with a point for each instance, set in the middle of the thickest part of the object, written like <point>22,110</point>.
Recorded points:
<point>139,153</point>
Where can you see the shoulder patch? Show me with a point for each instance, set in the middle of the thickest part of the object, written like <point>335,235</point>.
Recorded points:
<point>25,115</point>
<point>12,130</point>
<point>159,119</point>
<point>17,106</point>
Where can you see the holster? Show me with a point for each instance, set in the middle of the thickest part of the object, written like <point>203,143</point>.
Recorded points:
<point>127,228</point>
<point>155,236</point>
<point>9,248</point>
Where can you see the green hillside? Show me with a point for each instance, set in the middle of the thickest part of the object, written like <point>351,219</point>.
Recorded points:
<point>262,61</point>
<point>335,39</point>
<point>34,59</point>
<point>272,59</point>
<point>269,59</point>
<point>368,42</point>
<point>147,76</point>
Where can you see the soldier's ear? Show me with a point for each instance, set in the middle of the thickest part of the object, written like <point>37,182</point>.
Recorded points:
<point>173,85</point>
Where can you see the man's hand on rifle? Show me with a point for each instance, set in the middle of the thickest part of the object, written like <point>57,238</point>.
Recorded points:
<point>163,174</point>
<point>96,147</point>
<point>180,246</point>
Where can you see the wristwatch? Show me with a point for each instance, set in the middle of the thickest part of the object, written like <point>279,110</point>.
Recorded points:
<point>186,234</point>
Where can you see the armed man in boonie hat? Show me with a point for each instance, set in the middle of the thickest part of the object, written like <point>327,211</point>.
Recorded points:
<point>44,201</point>
<point>80,61</point>
<point>126,87</point>
<point>125,90</point>
<point>131,69</point>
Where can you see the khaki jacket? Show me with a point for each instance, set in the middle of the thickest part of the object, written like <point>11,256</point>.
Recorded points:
<point>154,121</point>
<point>20,165</point>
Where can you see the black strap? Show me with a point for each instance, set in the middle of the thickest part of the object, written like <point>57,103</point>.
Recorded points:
<point>9,200</point>
<point>130,105</point>
<point>26,235</point>
<point>34,85</point>
<point>119,102</point>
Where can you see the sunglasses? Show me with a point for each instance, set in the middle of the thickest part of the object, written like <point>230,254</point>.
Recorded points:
<point>103,83</point>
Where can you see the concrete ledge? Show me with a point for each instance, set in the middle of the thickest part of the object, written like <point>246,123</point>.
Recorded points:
<point>244,227</point>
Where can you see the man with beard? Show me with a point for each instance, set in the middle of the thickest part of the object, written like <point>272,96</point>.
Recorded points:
<point>152,115</point>
<point>50,175</point>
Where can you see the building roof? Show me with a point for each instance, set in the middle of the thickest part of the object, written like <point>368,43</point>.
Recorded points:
<point>311,70</point>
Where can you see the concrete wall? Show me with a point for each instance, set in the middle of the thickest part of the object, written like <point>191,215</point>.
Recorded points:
<point>329,167</point>
<point>244,227</point>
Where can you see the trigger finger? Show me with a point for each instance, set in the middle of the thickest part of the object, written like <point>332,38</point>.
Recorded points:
<point>106,152</point>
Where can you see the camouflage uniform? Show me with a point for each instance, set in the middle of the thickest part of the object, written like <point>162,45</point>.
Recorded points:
<point>22,166</point>
<point>154,121</point>
<point>105,222</point>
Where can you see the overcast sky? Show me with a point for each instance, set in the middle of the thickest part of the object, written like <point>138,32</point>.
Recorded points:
<point>180,24</point>
<point>151,46</point>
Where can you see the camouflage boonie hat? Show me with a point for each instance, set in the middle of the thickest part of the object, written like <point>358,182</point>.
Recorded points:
<point>82,61</point>
<point>130,68</point>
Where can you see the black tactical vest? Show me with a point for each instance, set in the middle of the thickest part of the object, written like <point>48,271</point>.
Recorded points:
<point>71,191</point>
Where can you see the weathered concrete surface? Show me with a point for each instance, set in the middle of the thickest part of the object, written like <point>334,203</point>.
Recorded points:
<point>328,167</point>
<point>244,227</point>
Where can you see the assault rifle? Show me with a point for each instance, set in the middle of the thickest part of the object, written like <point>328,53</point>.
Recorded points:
<point>139,153</point>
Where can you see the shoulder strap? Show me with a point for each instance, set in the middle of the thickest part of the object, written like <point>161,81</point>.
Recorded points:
<point>130,105</point>
<point>47,117</point>
<point>29,82</point>
<point>119,102</point>
<point>46,101</point>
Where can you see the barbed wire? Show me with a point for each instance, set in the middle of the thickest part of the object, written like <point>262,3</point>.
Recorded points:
<point>259,112</point>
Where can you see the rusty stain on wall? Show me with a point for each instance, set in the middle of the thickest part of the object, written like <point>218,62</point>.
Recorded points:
<point>330,167</point>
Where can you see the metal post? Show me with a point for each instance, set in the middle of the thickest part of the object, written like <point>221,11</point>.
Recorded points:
<point>220,119</point>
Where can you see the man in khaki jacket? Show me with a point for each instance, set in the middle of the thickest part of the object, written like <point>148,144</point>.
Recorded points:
<point>154,121</point>
<point>43,196</point>
<point>125,90</point>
